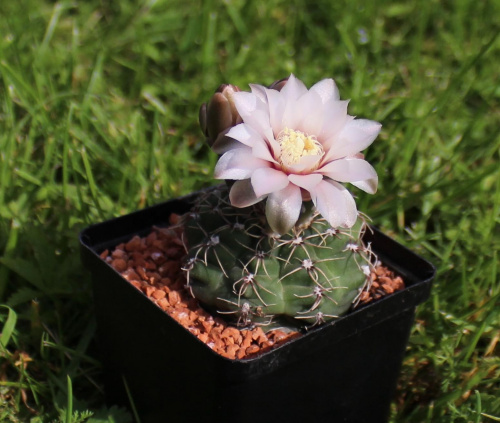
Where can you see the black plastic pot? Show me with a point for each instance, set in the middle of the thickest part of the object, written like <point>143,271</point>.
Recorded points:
<point>343,371</point>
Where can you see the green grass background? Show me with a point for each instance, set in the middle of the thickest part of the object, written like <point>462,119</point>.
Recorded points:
<point>98,117</point>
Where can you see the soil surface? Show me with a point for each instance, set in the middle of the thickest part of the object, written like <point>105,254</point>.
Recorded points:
<point>153,264</point>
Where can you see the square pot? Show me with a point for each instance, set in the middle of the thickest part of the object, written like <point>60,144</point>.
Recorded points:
<point>342,371</point>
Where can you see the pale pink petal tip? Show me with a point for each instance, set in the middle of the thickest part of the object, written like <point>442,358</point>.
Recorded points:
<point>283,209</point>
<point>243,195</point>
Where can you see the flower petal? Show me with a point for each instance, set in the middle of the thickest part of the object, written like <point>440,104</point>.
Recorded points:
<point>267,180</point>
<point>312,114</point>
<point>335,204</point>
<point>259,120</point>
<point>295,107</point>
<point>355,136</point>
<point>335,118</point>
<point>245,102</point>
<point>369,185</point>
<point>292,114</point>
<point>283,208</point>
<point>327,89</point>
<point>242,195</point>
<point>254,112</point>
<point>308,182</point>
<point>277,105</point>
<point>238,163</point>
<point>349,170</point>
<point>245,134</point>
<point>261,151</point>
<point>259,91</point>
<point>305,165</point>
<point>293,89</point>
<point>223,143</point>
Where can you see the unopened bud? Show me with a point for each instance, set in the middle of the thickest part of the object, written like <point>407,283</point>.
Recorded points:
<point>279,84</point>
<point>220,114</point>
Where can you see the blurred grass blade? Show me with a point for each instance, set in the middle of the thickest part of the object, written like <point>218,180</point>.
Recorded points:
<point>54,19</point>
<point>90,179</point>
<point>8,327</point>
<point>131,400</point>
<point>235,15</point>
<point>69,405</point>
<point>489,416</point>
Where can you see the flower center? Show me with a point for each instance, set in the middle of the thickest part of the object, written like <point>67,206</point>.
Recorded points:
<point>295,145</point>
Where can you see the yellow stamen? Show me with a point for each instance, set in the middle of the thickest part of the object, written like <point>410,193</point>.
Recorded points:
<point>295,145</point>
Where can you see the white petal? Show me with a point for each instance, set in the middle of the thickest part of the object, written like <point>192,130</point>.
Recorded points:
<point>356,156</point>
<point>369,185</point>
<point>276,109</point>
<point>335,204</point>
<point>245,102</point>
<point>283,208</point>
<point>335,117</point>
<point>354,137</point>
<point>308,182</point>
<point>349,170</point>
<point>259,121</point>
<point>238,164</point>
<point>242,195</point>
<point>261,151</point>
<point>244,134</point>
<point>259,91</point>
<point>255,113</point>
<point>247,135</point>
<point>293,89</point>
<point>292,114</point>
<point>312,114</point>
<point>267,180</point>
<point>223,144</point>
<point>305,164</point>
<point>327,89</point>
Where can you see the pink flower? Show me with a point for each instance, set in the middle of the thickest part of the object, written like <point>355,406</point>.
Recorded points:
<point>296,145</point>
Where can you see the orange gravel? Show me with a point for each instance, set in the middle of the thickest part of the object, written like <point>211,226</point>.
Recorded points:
<point>383,282</point>
<point>153,265</point>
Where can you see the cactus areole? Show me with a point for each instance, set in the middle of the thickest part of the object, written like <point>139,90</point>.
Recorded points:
<point>283,245</point>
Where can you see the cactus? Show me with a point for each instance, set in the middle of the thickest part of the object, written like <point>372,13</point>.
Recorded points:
<point>282,264</point>
<point>239,268</point>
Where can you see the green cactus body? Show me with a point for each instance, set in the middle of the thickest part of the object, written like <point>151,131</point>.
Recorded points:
<point>237,268</point>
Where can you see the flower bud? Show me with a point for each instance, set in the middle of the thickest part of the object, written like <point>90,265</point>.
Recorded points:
<point>279,84</point>
<point>220,114</point>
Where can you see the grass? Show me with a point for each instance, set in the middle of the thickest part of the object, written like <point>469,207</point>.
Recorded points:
<point>98,97</point>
